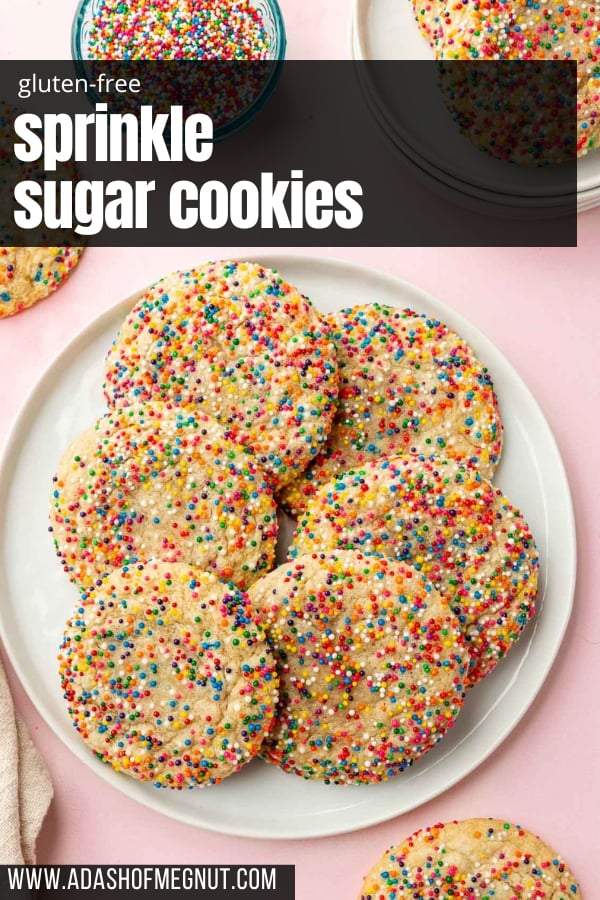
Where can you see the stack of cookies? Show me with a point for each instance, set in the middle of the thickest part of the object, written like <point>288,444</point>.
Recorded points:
<point>409,577</point>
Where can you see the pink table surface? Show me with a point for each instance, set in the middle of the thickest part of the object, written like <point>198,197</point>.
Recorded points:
<point>540,307</point>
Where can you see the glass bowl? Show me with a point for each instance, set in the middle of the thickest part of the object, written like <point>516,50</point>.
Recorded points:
<point>274,26</point>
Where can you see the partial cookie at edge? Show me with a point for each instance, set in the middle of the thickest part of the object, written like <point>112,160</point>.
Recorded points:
<point>29,274</point>
<point>472,858</point>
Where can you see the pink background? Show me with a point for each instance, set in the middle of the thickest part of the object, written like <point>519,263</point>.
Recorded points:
<point>541,309</point>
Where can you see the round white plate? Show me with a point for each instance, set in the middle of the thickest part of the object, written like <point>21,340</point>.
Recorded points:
<point>261,801</point>
<point>386,29</point>
<point>588,200</point>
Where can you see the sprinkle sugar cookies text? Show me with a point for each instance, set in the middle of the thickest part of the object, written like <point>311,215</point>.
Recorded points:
<point>88,207</point>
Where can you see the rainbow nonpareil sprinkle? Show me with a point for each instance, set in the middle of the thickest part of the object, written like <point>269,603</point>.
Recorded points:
<point>178,29</point>
<point>168,675</point>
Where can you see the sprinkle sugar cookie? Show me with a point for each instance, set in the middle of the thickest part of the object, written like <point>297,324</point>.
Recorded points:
<point>407,384</point>
<point>168,676</point>
<point>450,523</point>
<point>237,340</point>
<point>588,109</point>
<point>29,274</point>
<point>371,662</point>
<point>514,111</point>
<point>159,482</point>
<point>496,29</point>
<point>485,858</point>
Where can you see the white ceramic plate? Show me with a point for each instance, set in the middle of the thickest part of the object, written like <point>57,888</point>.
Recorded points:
<point>386,29</point>
<point>261,801</point>
<point>588,200</point>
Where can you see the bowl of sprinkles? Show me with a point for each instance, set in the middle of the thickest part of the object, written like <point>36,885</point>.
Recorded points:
<point>240,42</point>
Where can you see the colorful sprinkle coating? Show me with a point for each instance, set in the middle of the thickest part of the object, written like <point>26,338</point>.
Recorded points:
<point>371,666</point>
<point>168,675</point>
<point>28,274</point>
<point>407,385</point>
<point>520,112</point>
<point>477,859</point>
<point>238,341</point>
<point>528,30</point>
<point>588,111</point>
<point>448,522</point>
<point>178,29</point>
<point>232,32</point>
<point>159,482</point>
